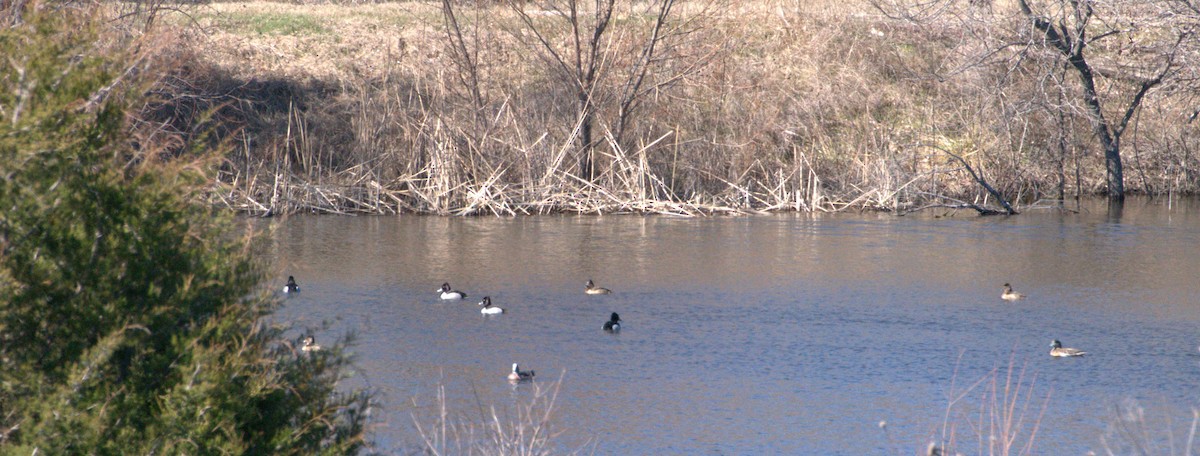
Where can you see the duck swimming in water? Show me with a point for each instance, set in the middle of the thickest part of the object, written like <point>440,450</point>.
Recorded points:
<point>613,324</point>
<point>518,375</point>
<point>449,294</point>
<point>1057,350</point>
<point>291,286</point>
<point>592,289</point>
<point>488,308</point>
<point>310,344</point>
<point>1009,295</point>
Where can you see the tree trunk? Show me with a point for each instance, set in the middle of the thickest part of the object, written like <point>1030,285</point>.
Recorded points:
<point>1112,162</point>
<point>1108,141</point>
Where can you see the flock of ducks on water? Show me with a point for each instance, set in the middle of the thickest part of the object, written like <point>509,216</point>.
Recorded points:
<point>613,324</point>
<point>1056,348</point>
<point>309,343</point>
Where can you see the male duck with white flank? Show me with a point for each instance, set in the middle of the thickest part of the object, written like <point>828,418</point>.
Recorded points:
<point>1057,350</point>
<point>592,289</point>
<point>310,344</point>
<point>613,324</point>
<point>518,375</point>
<point>488,308</point>
<point>291,286</point>
<point>449,294</point>
<point>1009,294</point>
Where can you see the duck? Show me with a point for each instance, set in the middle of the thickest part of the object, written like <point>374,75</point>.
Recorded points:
<point>934,450</point>
<point>1009,294</point>
<point>291,286</point>
<point>1057,350</point>
<point>613,324</point>
<point>309,344</point>
<point>449,294</point>
<point>488,309</point>
<point>592,289</point>
<point>517,375</point>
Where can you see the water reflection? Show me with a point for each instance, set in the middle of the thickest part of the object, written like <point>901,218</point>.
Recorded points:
<point>789,333</point>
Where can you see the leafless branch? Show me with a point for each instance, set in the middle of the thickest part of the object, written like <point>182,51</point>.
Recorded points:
<point>981,181</point>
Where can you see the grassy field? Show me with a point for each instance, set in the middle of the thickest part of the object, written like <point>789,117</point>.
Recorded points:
<point>326,42</point>
<point>741,106</point>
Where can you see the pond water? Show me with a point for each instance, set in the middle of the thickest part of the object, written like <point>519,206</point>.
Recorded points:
<point>774,334</point>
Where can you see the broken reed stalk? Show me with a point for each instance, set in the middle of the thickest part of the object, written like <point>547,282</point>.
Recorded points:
<point>290,193</point>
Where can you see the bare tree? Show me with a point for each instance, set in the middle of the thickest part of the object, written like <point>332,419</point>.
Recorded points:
<point>464,55</point>
<point>585,64</point>
<point>1068,35</point>
<point>1119,50</point>
<point>580,64</point>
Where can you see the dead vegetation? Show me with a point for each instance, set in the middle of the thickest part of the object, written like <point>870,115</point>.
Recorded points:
<point>686,108</point>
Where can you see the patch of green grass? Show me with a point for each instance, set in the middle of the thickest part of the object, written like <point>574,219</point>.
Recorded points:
<point>273,24</point>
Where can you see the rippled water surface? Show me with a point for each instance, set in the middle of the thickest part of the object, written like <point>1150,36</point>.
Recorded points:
<point>778,334</point>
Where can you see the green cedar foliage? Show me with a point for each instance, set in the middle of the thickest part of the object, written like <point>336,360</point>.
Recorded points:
<point>130,318</point>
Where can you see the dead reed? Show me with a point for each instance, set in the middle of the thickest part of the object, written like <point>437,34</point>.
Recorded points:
<point>1000,412</point>
<point>525,428</point>
<point>722,108</point>
<point>1131,432</point>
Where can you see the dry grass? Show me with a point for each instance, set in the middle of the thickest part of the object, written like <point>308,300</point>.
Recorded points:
<point>1000,410</point>
<point>1000,413</point>
<point>997,414</point>
<point>1131,432</point>
<point>748,106</point>
<point>525,428</point>
<point>326,42</point>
